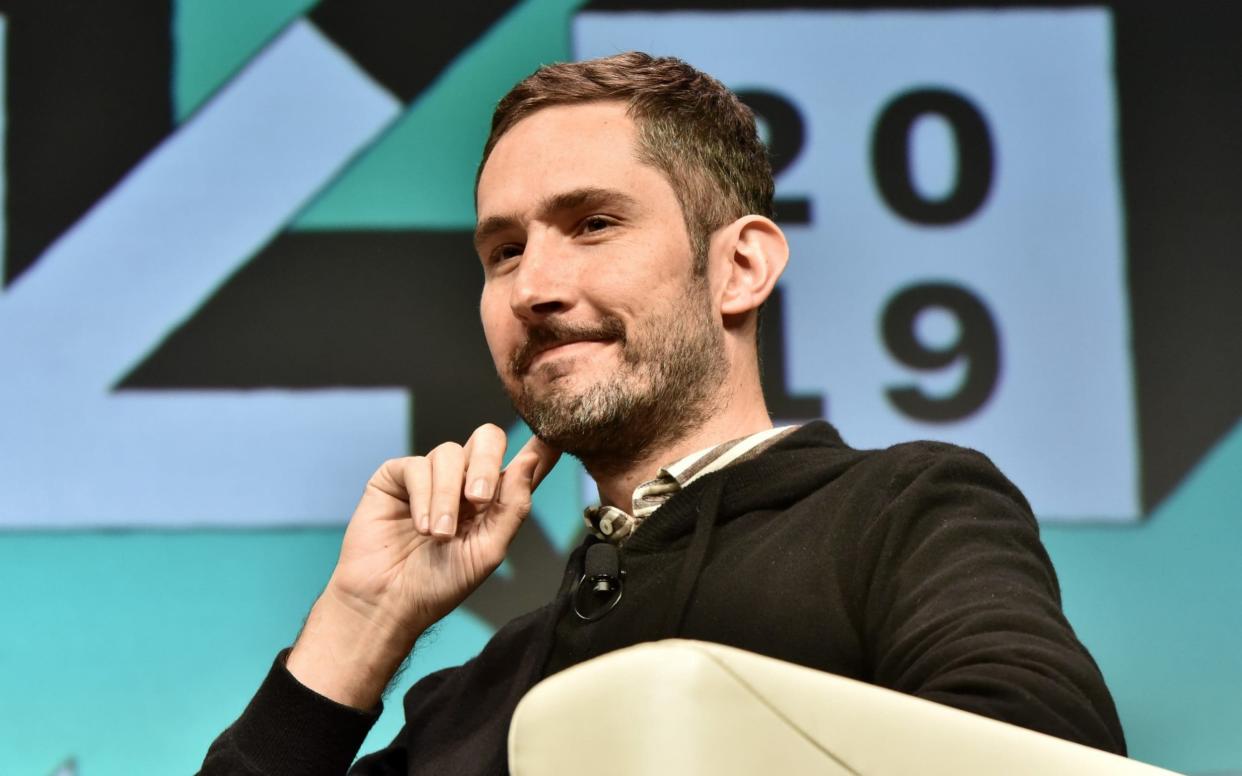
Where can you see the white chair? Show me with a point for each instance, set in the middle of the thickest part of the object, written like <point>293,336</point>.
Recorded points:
<point>690,707</point>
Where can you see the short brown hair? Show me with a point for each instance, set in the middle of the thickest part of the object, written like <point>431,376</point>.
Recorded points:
<point>690,127</point>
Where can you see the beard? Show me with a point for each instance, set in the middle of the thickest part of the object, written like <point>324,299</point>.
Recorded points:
<point>672,367</point>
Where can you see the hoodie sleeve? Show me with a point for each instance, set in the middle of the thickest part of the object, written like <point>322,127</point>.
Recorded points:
<point>288,728</point>
<point>964,607</point>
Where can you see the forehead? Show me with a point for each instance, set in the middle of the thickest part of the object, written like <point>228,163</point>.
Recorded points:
<point>563,148</point>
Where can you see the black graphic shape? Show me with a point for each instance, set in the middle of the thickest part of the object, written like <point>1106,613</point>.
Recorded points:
<point>534,570</point>
<point>977,343</point>
<point>1179,77</point>
<point>88,92</point>
<point>786,136</point>
<point>781,404</point>
<point>353,309</point>
<point>890,156</point>
<point>87,96</point>
<point>404,45</point>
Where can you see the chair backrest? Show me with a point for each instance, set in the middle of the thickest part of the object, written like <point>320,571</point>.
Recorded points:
<point>689,708</point>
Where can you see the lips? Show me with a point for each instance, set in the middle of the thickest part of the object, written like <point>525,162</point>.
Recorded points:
<point>558,346</point>
<point>554,334</point>
<point>528,358</point>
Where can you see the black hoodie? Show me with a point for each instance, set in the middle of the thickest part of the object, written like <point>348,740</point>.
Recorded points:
<point>918,568</point>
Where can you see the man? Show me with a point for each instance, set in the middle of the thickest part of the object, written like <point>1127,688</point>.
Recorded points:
<point>626,249</point>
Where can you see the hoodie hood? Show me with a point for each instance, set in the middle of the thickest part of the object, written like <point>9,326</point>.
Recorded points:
<point>784,474</point>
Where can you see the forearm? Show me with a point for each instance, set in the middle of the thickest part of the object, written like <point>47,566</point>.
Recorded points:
<point>347,656</point>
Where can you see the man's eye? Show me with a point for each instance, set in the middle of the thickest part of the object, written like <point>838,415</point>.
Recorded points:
<point>507,251</point>
<point>595,224</point>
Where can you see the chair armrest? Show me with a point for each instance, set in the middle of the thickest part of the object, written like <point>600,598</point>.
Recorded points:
<point>690,707</point>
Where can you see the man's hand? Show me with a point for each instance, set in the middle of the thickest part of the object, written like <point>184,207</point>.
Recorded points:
<point>427,532</point>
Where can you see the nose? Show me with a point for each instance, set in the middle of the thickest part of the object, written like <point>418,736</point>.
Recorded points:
<point>541,284</point>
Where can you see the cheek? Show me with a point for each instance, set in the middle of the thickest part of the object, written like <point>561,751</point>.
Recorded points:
<point>497,327</point>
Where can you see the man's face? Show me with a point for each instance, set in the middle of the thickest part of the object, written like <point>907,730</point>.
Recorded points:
<point>604,338</point>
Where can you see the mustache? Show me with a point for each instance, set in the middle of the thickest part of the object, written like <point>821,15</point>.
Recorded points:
<point>552,333</point>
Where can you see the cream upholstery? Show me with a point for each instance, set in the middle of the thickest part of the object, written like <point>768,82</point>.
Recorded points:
<point>689,707</point>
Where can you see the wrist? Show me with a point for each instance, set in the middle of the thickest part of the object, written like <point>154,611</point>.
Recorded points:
<point>346,655</point>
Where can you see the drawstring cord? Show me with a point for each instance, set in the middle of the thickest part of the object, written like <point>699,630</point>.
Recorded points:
<point>696,555</point>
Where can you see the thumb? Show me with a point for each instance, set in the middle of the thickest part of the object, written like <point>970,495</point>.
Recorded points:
<point>523,474</point>
<point>546,457</point>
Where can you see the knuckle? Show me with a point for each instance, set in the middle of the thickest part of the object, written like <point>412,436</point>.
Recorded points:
<point>489,429</point>
<point>389,469</point>
<point>520,505</point>
<point>450,450</point>
<point>444,492</point>
<point>416,472</point>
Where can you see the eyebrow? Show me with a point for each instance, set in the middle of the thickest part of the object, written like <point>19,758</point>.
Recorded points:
<point>575,199</point>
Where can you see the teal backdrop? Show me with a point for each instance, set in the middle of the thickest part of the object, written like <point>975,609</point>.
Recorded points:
<point>125,649</point>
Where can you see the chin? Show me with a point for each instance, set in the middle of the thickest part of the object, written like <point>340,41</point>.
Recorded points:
<point>602,423</point>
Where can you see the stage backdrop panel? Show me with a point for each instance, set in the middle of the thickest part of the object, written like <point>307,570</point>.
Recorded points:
<point>238,274</point>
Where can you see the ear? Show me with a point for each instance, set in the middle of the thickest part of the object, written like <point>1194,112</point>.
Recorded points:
<point>752,254</point>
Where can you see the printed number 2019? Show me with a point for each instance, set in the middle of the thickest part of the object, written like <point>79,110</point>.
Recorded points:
<point>977,345</point>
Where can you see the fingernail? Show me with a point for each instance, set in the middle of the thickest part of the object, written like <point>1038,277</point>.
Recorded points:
<point>480,489</point>
<point>423,523</point>
<point>444,525</point>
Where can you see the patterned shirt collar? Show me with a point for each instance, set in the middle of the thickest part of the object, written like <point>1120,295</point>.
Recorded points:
<point>616,525</point>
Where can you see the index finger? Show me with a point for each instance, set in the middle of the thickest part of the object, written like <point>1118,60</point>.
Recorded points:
<point>484,452</point>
